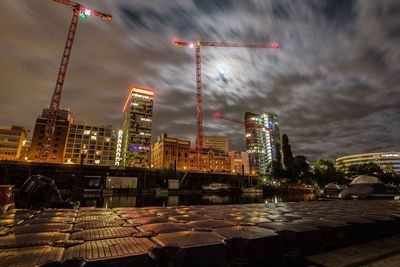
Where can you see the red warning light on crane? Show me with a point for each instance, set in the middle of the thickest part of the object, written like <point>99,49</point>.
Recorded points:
<point>274,45</point>
<point>218,115</point>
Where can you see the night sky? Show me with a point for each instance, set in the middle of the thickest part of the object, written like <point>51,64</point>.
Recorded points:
<point>334,83</point>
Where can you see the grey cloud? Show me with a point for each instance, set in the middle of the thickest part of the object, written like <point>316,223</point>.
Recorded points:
<point>334,83</point>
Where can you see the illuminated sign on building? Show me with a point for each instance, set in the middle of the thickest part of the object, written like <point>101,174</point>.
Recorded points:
<point>141,148</point>
<point>119,148</point>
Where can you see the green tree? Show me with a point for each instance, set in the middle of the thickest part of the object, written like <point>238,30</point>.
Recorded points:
<point>369,168</point>
<point>324,172</point>
<point>301,168</point>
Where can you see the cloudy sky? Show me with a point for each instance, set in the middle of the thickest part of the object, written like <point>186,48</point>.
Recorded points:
<point>334,83</point>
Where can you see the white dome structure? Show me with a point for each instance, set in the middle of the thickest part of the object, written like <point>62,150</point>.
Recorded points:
<point>366,179</point>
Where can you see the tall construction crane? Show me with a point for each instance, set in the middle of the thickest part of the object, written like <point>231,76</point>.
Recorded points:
<point>77,11</point>
<point>197,50</point>
<point>218,115</point>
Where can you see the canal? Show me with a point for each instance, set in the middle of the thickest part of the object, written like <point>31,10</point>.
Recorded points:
<point>202,199</point>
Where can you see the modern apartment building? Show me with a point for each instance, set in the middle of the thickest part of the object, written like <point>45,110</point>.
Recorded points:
<point>239,162</point>
<point>138,116</point>
<point>12,141</point>
<point>388,161</point>
<point>262,141</point>
<point>216,142</point>
<point>167,152</point>
<point>58,141</point>
<point>95,145</point>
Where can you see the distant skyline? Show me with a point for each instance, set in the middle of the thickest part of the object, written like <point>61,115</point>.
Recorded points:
<point>334,83</point>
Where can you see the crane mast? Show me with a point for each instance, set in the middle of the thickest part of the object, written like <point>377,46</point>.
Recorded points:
<point>77,10</point>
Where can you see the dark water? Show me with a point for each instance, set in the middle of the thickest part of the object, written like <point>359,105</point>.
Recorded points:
<point>153,200</point>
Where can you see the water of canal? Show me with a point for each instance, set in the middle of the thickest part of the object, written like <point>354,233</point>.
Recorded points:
<point>154,200</point>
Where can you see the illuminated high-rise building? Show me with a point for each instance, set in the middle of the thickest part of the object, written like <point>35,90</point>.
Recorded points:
<point>59,138</point>
<point>262,141</point>
<point>138,116</point>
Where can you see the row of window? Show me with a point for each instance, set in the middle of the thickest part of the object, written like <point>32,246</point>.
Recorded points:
<point>78,156</point>
<point>7,153</point>
<point>9,140</point>
<point>8,146</point>
<point>90,151</point>
<point>10,133</point>
<point>173,154</point>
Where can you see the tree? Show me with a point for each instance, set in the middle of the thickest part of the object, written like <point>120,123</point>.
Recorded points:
<point>301,168</point>
<point>324,172</point>
<point>287,157</point>
<point>369,168</point>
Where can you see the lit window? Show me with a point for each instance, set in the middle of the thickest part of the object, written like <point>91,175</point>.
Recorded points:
<point>97,162</point>
<point>86,132</point>
<point>93,137</point>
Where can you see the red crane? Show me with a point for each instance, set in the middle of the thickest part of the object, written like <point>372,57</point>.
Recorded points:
<point>197,48</point>
<point>77,11</point>
<point>218,115</point>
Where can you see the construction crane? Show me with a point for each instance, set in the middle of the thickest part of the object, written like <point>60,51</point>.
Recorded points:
<point>218,115</point>
<point>77,11</point>
<point>197,50</point>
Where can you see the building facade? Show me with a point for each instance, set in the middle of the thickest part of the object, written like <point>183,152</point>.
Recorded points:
<point>262,141</point>
<point>239,162</point>
<point>95,145</point>
<point>12,142</point>
<point>138,116</point>
<point>388,161</point>
<point>58,141</point>
<point>211,161</point>
<point>167,152</point>
<point>216,142</point>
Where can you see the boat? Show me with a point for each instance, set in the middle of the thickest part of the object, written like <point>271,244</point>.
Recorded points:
<point>217,188</point>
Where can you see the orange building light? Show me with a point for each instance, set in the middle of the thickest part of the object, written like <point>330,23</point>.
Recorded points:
<point>138,90</point>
